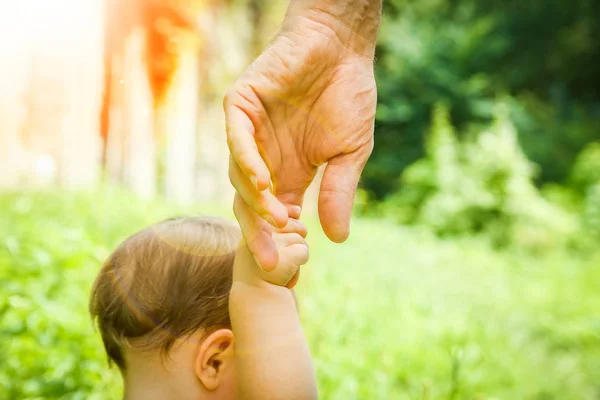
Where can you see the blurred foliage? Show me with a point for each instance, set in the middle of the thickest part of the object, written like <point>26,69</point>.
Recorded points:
<point>436,310</point>
<point>411,316</point>
<point>51,247</point>
<point>466,54</point>
<point>586,171</point>
<point>585,184</point>
<point>480,184</point>
<point>591,212</point>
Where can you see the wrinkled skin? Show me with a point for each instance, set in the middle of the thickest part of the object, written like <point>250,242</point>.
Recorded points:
<point>308,100</point>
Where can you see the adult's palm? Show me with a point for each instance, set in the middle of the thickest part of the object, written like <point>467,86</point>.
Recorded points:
<point>309,99</point>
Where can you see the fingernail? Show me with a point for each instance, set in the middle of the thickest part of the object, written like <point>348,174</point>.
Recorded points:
<point>297,210</point>
<point>254,181</point>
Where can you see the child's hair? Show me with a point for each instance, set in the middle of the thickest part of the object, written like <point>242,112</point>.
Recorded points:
<point>164,283</point>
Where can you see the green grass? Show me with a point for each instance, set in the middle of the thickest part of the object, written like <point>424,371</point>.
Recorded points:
<point>394,313</point>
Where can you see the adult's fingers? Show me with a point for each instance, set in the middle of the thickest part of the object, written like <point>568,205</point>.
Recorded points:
<point>263,203</point>
<point>257,235</point>
<point>338,190</point>
<point>240,139</point>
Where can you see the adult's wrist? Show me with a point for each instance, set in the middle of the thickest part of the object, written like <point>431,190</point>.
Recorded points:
<point>354,23</point>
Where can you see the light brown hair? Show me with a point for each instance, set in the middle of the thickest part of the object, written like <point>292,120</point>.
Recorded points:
<point>164,283</point>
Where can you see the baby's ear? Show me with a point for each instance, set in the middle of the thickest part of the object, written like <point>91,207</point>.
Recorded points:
<point>215,359</point>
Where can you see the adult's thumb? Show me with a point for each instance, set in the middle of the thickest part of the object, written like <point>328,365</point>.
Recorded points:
<point>338,190</point>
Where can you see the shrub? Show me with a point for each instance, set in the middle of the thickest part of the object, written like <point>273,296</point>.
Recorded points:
<point>585,189</point>
<point>483,184</point>
<point>591,211</point>
<point>393,314</point>
<point>586,170</point>
<point>51,247</point>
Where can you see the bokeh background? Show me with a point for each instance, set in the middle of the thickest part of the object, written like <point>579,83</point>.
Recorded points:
<point>473,270</point>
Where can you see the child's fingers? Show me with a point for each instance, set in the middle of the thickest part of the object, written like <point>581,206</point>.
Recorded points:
<point>293,226</point>
<point>294,281</point>
<point>297,254</point>
<point>283,240</point>
<point>284,272</point>
<point>293,252</point>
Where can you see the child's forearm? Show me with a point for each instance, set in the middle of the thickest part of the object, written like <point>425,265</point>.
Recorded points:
<point>272,356</point>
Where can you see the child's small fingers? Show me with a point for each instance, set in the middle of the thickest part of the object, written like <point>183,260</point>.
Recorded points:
<point>297,254</point>
<point>294,226</point>
<point>290,259</point>
<point>283,274</point>
<point>283,240</point>
<point>294,281</point>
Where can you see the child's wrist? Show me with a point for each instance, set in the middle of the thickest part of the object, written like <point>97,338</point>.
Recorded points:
<point>242,291</point>
<point>247,271</point>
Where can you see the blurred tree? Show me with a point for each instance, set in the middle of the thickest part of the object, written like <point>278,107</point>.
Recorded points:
<point>168,65</point>
<point>50,90</point>
<point>466,54</point>
<point>147,112</point>
<point>585,184</point>
<point>586,171</point>
<point>482,184</point>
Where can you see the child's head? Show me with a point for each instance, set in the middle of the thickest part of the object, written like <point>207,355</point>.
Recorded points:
<point>161,303</point>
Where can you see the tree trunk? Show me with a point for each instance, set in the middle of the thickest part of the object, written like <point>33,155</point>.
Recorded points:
<point>180,116</point>
<point>227,52</point>
<point>14,83</point>
<point>80,147</point>
<point>131,146</point>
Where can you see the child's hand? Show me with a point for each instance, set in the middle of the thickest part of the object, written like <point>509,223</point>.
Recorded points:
<point>271,354</point>
<point>291,245</point>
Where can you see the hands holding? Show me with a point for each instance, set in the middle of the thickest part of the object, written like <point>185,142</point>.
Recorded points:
<point>291,248</point>
<point>308,100</point>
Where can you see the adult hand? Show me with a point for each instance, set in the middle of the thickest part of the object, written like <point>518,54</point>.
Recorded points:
<point>309,99</point>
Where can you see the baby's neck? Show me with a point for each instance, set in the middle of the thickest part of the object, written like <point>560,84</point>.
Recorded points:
<point>153,392</point>
<point>158,387</point>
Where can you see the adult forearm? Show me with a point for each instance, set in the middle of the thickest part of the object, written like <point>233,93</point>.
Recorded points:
<point>354,22</point>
